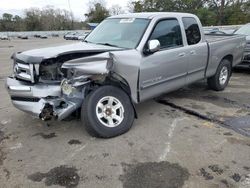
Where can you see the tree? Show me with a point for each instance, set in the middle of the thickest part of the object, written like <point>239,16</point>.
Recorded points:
<point>18,23</point>
<point>135,6</point>
<point>230,11</point>
<point>115,10</point>
<point>210,12</point>
<point>97,11</point>
<point>237,13</point>
<point>219,6</point>
<point>154,5</point>
<point>206,16</point>
<point>32,19</point>
<point>7,17</point>
<point>6,22</point>
<point>45,19</point>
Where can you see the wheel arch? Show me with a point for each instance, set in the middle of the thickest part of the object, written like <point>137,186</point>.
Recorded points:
<point>229,57</point>
<point>119,81</point>
<point>213,81</point>
<point>115,80</point>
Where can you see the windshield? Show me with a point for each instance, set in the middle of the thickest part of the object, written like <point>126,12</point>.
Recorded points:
<point>122,32</point>
<point>245,30</point>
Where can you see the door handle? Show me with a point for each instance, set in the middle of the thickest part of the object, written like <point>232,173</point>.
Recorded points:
<point>192,52</point>
<point>182,54</point>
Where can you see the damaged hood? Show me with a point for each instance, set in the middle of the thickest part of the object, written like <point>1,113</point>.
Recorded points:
<point>38,55</point>
<point>97,64</point>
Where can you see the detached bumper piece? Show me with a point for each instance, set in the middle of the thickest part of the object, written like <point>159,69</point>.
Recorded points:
<point>58,108</point>
<point>246,58</point>
<point>245,61</point>
<point>47,112</point>
<point>43,101</point>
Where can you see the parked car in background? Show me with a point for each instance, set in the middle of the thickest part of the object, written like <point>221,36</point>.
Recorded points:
<point>37,35</point>
<point>245,30</point>
<point>209,30</point>
<point>217,32</point>
<point>4,37</point>
<point>71,36</point>
<point>125,60</point>
<point>75,35</point>
<point>83,36</point>
<point>213,31</point>
<point>55,35</point>
<point>24,36</point>
<point>228,31</point>
<point>43,36</point>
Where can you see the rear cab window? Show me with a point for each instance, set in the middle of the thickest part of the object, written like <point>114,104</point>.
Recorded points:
<point>168,33</point>
<point>192,30</point>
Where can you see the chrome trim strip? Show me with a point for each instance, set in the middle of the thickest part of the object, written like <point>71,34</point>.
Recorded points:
<point>32,79</point>
<point>23,66</point>
<point>24,71</point>
<point>164,80</point>
<point>20,88</point>
<point>197,70</point>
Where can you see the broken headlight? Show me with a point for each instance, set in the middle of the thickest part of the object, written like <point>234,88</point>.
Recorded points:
<point>66,87</point>
<point>50,71</point>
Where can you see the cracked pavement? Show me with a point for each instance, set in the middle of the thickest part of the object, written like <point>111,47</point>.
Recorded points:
<point>193,137</point>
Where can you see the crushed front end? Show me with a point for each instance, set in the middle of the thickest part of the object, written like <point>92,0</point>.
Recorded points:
<point>246,55</point>
<point>55,87</point>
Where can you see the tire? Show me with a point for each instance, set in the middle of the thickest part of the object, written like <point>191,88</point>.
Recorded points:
<point>97,119</point>
<point>220,80</point>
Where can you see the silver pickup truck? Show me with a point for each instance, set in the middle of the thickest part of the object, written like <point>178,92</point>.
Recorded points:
<point>127,59</point>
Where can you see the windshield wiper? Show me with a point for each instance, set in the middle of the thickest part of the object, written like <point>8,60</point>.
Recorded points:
<point>108,44</point>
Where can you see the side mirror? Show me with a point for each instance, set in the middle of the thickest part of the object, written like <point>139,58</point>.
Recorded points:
<point>153,46</point>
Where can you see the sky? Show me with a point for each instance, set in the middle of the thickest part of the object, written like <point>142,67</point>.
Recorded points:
<point>79,7</point>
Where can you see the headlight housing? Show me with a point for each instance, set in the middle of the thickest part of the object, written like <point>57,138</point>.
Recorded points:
<point>67,88</point>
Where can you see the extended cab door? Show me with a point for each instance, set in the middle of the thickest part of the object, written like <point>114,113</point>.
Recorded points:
<point>197,49</point>
<point>166,69</point>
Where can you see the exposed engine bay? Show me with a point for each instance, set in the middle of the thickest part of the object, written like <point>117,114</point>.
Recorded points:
<point>51,70</point>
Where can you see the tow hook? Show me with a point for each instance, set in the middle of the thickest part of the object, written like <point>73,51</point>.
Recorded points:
<point>47,112</point>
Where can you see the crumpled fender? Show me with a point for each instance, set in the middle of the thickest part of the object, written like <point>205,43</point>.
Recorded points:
<point>91,65</point>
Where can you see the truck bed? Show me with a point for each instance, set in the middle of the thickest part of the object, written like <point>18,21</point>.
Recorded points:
<point>221,46</point>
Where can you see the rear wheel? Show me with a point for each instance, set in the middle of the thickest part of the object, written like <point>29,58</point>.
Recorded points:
<point>222,76</point>
<point>107,112</point>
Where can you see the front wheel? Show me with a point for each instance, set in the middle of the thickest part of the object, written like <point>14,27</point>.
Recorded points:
<point>220,80</point>
<point>107,112</point>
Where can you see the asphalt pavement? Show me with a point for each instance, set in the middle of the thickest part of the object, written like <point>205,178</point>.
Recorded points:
<point>191,138</point>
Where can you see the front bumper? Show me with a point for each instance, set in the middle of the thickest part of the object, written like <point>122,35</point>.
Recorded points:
<point>245,63</point>
<point>35,99</point>
<point>246,57</point>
